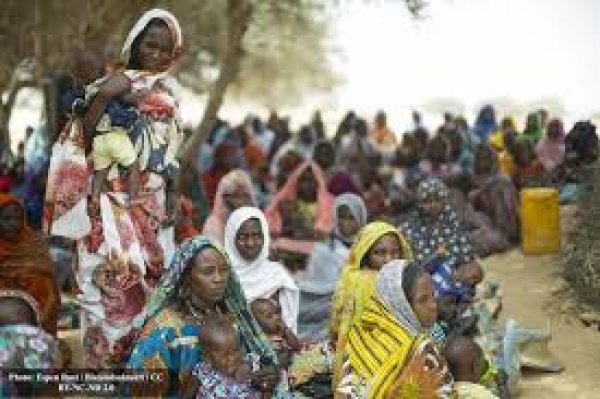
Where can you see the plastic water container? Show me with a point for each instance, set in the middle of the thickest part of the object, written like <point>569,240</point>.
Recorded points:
<point>540,221</point>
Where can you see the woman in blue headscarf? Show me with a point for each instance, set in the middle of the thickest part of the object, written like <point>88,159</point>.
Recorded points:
<point>485,124</point>
<point>199,283</point>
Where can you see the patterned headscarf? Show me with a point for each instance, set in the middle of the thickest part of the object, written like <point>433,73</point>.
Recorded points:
<point>253,337</point>
<point>432,189</point>
<point>391,292</point>
<point>426,235</point>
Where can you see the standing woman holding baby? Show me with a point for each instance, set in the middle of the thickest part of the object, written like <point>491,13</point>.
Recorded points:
<point>131,240</point>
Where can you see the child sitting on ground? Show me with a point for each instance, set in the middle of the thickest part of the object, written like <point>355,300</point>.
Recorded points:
<point>223,373</point>
<point>110,139</point>
<point>459,282</point>
<point>468,367</point>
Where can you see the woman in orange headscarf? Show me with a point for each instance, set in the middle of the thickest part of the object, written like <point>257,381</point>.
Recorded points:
<point>25,262</point>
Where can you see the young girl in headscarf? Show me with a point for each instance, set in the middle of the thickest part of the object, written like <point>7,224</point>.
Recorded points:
<point>376,244</point>
<point>325,264</point>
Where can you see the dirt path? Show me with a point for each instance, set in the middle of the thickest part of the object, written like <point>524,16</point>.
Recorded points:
<point>529,285</point>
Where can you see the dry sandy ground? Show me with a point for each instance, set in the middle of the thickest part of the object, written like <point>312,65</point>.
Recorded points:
<point>529,286</point>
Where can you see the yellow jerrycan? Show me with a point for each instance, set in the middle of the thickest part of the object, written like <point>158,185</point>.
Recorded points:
<point>540,221</point>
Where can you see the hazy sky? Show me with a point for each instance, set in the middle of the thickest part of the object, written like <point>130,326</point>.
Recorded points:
<point>472,50</point>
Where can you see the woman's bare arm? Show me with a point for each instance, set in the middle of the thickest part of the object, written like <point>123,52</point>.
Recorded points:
<point>115,86</point>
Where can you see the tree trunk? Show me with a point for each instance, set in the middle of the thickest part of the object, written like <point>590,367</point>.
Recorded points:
<point>239,13</point>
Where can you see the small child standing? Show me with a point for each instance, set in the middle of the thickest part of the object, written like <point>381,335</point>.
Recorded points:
<point>223,373</point>
<point>468,366</point>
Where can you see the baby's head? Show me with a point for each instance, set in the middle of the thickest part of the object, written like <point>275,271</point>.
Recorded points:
<point>470,274</point>
<point>221,346</point>
<point>446,305</point>
<point>17,309</point>
<point>86,66</point>
<point>465,359</point>
<point>268,314</point>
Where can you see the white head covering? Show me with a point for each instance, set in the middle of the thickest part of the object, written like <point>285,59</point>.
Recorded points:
<point>357,208</point>
<point>261,278</point>
<point>141,24</point>
<point>391,293</point>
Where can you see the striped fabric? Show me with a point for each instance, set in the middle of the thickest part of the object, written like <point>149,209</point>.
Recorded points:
<point>378,347</point>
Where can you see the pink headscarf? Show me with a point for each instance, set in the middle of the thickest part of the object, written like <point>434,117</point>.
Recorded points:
<point>324,218</point>
<point>215,223</point>
<point>551,150</point>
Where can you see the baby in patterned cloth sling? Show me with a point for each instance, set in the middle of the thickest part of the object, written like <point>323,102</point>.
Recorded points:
<point>223,374</point>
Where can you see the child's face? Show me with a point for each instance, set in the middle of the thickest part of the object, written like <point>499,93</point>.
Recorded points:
<point>347,222</point>
<point>446,306</point>
<point>469,274</point>
<point>86,67</point>
<point>223,353</point>
<point>268,315</point>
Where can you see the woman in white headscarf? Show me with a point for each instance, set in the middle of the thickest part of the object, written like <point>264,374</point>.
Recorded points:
<point>247,242</point>
<point>318,282</point>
